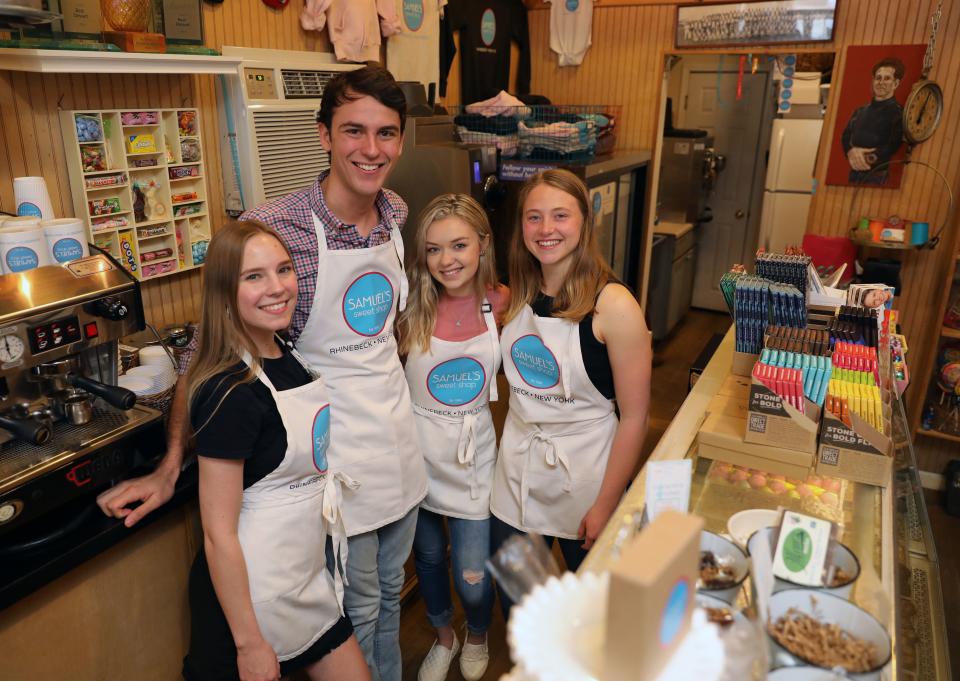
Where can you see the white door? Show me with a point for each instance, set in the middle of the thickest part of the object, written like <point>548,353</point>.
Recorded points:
<point>735,201</point>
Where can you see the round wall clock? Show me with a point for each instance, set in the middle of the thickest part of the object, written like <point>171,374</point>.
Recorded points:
<point>922,111</point>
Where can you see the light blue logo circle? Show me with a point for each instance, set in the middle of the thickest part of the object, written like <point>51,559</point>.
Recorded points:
<point>367,303</point>
<point>788,82</point>
<point>488,27</point>
<point>413,14</point>
<point>67,249</point>
<point>30,210</point>
<point>536,364</point>
<point>672,619</point>
<point>597,203</point>
<point>788,71</point>
<point>321,438</point>
<point>21,258</point>
<point>572,5</point>
<point>457,381</point>
<point>784,106</point>
<point>786,94</point>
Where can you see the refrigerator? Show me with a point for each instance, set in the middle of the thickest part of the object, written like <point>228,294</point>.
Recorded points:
<point>788,188</point>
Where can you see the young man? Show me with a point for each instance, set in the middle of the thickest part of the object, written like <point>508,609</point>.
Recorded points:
<point>347,227</point>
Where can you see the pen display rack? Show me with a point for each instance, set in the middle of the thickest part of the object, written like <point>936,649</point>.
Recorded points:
<point>137,178</point>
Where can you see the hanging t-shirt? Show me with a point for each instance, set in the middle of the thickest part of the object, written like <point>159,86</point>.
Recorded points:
<point>414,53</point>
<point>487,28</point>
<point>571,22</point>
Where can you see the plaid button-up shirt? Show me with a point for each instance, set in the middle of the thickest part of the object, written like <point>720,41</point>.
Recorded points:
<point>292,217</point>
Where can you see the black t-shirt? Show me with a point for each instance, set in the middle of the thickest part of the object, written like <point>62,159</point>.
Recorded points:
<point>487,27</point>
<point>596,359</point>
<point>879,126</point>
<point>247,424</point>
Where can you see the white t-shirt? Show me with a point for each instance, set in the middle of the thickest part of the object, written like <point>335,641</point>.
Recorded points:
<point>571,22</point>
<point>414,53</point>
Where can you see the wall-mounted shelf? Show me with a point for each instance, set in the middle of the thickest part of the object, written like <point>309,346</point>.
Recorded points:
<point>83,61</point>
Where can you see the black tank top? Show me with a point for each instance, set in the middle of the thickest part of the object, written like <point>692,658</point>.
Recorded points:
<point>596,360</point>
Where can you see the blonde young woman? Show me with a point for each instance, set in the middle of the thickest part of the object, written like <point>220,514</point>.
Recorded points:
<point>262,601</point>
<point>449,336</point>
<point>576,350</point>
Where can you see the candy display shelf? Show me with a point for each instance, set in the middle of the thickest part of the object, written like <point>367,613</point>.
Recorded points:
<point>134,174</point>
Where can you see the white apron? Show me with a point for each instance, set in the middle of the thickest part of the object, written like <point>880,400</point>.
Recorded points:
<point>283,526</point>
<point>558,433</point>
<point>451,387</point>
<point>349,338</point>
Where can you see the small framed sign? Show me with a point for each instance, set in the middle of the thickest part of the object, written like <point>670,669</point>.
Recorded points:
<point>181,22</point>
<point>755,23</point>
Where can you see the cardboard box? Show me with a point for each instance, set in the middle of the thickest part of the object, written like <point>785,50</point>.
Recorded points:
<point>651,597</point>
<point>772,421</point>
<point>721,439</point>
<point>857,452</point>
<point>736,386</point>
<point>743,363</point>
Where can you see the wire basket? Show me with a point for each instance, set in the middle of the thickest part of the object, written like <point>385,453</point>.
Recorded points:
<point>568,133</point>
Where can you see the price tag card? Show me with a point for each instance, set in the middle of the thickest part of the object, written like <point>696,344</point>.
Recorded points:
<point>802,549</point>
<point>668,486</point>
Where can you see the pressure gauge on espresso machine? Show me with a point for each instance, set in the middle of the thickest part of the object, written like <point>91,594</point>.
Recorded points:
<point>11,348</point>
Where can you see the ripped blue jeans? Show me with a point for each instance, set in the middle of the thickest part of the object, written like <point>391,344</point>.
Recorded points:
<point>469,542</point>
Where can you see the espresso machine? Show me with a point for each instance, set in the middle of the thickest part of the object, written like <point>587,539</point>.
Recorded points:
<point>66,428</point>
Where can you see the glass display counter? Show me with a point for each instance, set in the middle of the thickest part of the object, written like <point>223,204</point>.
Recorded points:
<point>887,528</point>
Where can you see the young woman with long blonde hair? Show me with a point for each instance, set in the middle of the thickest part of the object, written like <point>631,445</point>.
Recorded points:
<point>449,336</point>
<point>262,601</point>
<point>576,350</point>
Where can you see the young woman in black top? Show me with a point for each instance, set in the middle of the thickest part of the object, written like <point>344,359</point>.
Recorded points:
<point>263,602</point>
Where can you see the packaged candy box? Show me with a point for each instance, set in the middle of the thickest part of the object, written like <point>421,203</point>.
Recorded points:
<point>139,118</point>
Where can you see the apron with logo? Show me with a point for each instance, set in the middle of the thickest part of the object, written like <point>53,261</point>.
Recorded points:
<point>349,338</point>
<point>451,387</point>
<point>284,522</point>
<point>558,433</point>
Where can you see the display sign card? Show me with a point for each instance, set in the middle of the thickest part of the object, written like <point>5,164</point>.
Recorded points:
<point>802,549</point>
<point>183,22</point>
<point>761,572</point>
<point>668,486</point>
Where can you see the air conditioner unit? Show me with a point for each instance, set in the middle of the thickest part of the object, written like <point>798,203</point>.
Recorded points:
<point>271,146</point>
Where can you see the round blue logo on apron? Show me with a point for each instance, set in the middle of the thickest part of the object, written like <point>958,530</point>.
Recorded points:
<point>321,438</point>
<point>457,381</point>
<point>572,5</point>
<point>536,364</point>
<point>672,619</point>
<point>367,303</point>
<point>488,27</point>
<point>27,209</point>
<point>67,249</point>
<point>413,14</point>
<point>21,258</point>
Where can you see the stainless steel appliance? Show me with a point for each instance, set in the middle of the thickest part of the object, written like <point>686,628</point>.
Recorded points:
<point>672,265</point>
<point>688,170</point>
<point>434,163</point>
<point>65,426</point>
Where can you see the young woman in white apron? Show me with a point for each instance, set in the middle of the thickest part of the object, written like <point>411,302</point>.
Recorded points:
<point>448,334</point>
<point>575,346</point>
<point>263,602</point>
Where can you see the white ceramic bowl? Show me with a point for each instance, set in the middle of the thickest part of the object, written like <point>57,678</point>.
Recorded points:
<point>842,557</point>
<point>804,674</point>
<point>743,524</point>
<point>728,553</point>
<point>831,610</point>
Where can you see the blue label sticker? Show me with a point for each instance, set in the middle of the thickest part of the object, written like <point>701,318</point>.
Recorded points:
<point>21,258</point>
<point>488,27</point>
<point>597,203</point>
<point>784,106</point>
<point>321,438</point>
<point>788,72</point>
<point>536,364</point>
<point>790,59</point>
<point>67,249</point>
<point>786,94</point>
<point>30,210</point>
<point>788,82</point>
<point>413,14</point>
<point>671,622</point>
<point>367,303</point>
<point>457,381</point>
<point>572,5</point>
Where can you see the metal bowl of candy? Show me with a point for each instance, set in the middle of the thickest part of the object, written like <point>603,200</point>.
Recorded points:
<point>723,567</point>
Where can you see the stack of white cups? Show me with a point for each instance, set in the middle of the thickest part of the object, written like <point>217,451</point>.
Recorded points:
<point>32,198</point>
<point>23,245</point>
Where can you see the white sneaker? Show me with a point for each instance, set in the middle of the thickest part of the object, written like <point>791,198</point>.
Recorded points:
<point>473,660</point>
<point>437,662</point>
